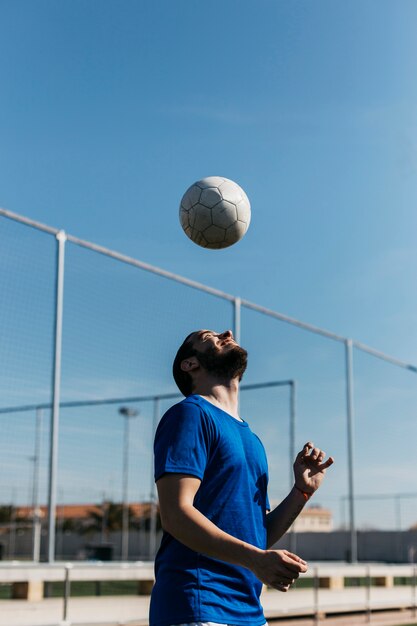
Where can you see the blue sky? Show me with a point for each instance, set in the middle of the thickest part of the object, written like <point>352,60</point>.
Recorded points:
<point>111,110</point>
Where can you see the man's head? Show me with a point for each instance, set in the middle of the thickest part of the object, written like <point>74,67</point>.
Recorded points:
<point>207,353</point>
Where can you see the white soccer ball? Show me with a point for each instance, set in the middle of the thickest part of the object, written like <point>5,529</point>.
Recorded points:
<point>215,212</point>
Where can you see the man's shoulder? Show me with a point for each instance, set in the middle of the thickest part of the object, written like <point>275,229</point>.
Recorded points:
<point>186,416</point>
<point>188,408</point>
<point>193,403</point>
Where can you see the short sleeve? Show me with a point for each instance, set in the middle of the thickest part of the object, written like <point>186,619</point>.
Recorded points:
<point>182,441</point>
<point>267,503</point>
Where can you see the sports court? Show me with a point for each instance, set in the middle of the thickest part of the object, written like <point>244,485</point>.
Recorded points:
<point>170,167</point>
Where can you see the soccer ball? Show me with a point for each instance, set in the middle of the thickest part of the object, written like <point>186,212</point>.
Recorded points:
<point>215,212</point>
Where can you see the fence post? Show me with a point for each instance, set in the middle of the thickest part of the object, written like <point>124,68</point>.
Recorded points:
<point>316,595</point>
<point>153,503</point>
<point>237,307</point>
<point>368,593</point>
<point>56,389</point>
<point>350,442</point>
<point>67,593</point>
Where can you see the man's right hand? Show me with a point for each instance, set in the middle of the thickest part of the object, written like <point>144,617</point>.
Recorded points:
<point>278,568</point>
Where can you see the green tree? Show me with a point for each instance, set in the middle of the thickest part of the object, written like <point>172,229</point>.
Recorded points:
<point>6,514</point>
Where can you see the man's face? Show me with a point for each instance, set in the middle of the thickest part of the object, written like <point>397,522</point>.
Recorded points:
<point>219,354</point>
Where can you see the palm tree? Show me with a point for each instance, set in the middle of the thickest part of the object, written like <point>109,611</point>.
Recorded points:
<point>105,519</point>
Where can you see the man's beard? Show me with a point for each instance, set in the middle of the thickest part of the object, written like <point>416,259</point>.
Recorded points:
<point>226,365</point>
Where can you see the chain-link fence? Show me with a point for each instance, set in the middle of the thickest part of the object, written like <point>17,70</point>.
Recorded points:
<point>86,332</point>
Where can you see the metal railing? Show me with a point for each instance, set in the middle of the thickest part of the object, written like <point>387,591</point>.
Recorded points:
<point>333,589</point>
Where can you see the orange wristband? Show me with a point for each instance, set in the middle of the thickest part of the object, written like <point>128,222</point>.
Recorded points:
<point>306,495</point>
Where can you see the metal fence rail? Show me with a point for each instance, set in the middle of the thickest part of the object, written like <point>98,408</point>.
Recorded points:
<point>238,304</point>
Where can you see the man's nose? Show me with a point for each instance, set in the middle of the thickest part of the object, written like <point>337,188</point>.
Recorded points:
<point>227,334</point>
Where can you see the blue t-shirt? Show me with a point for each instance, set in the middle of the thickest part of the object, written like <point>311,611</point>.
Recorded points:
<point>197,438</point>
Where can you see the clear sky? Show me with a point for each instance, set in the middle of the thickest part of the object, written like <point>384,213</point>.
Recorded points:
<point>110,110</point>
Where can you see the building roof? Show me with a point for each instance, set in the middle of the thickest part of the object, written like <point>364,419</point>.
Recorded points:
<point>82,511</point>
<point>316,511</point>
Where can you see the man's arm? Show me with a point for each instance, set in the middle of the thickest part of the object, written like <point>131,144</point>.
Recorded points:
<point>277,568</point>
<point>309,471</point>
<point>282,517</point>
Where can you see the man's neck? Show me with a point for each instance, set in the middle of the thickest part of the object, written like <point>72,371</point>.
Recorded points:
<point>223,395</point>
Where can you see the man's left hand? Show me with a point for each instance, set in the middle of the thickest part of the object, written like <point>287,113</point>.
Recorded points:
<point>310,468</point>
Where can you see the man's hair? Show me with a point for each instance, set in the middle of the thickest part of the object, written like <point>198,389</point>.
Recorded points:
<point>183,379</point>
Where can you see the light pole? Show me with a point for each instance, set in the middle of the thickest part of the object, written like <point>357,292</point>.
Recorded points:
<point>128,414</point>
<point>36,511</point>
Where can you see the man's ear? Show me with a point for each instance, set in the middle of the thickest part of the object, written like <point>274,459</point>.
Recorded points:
<point>190,364</point>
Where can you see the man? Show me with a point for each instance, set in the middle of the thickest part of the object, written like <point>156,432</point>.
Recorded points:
<point>211,474</point>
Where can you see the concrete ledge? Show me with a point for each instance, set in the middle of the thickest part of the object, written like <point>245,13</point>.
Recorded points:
<point>32,591</point>
<point>28,579</point>
<point>27,572</point>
